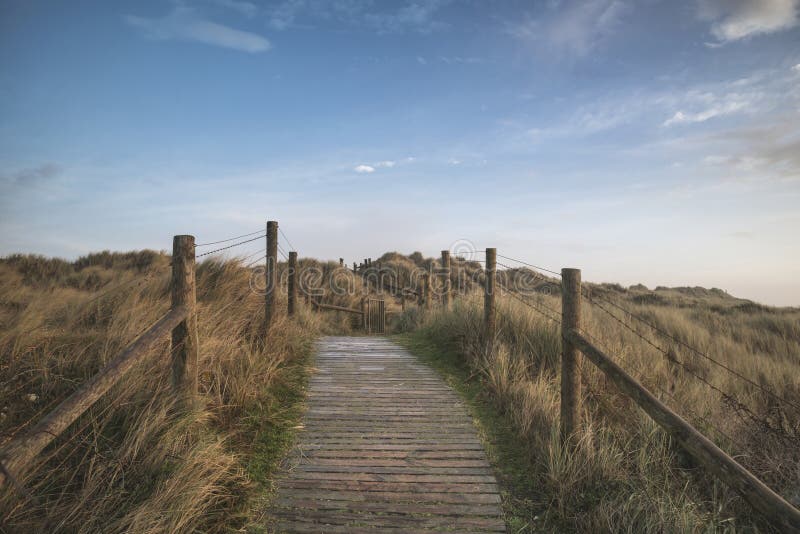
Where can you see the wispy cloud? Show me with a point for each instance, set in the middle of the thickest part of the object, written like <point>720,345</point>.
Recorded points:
<point>574,27</point>
<point>408,16</point>
<point>364,169</point>
<point>186,24</point>
<point>451,60</point>
<point>738,19</point>
<point>759,92</point>
<point>248,9</point>
<point>717,110</point>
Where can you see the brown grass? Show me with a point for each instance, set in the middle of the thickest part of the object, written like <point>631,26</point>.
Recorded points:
<point>133,462</point>
<point>626,475</point>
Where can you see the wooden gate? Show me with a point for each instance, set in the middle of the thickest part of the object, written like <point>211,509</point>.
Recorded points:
<point>376,317</point>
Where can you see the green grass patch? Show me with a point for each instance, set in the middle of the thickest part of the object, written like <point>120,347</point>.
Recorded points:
<point>273,426</point>
<point>510,457</point>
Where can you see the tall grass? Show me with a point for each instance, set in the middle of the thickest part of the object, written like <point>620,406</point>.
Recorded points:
<point>625,474</point>
<point>134,462</point>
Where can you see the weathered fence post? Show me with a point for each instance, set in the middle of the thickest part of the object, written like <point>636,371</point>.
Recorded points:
<point>489,298</point>
<point>184,335</point>
<point>426,283</point>
<point>292,283</point>
<point>271,274</point>
<point>445,279</point>
<point>364,317</point>
<point>570,355</point>
<point>341,262</point>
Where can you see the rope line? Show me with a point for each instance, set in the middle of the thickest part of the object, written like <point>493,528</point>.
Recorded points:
<point>520,298</point>
<point>530,265</point>
<point>291,246</point>
<point>282,253</point>
<point>262,258</point>
<point>696,351</point>
<point>260,251</point>
<point>229,239</point>
<point>230,246</point>
<point>539,275</point>
<point>712,425</point>
<point>726,397</point>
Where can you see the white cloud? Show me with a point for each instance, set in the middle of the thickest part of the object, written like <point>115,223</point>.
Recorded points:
<point>796,68</point>
<point>185,24</point>
<point>576,27</point>
<point>737,19</point>
<point>372,167</point>
<point>726,108</point>
<point>756,92</point>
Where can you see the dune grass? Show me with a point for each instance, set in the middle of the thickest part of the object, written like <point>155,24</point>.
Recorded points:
<point>626,475</point>
<point>133,462</point>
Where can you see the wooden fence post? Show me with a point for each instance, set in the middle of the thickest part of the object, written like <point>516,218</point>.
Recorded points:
<point>292,283</point>
<point>489,308</point>
<point>185,344</point>
<point>445,279</point>
<point>364,317</point>
<point>427,290</point>
<point>271,274</point>
<point>570,356</point>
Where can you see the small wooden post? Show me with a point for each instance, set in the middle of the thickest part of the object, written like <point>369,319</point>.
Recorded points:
<point>489,308</point>
<point>355,267</point>
<point>292,283</point>
<point>570,356</point>
<point>364,315</point>
<point>271,274</point>
<point>445,279</point>
<point>185,343</point>
<point>427,289</point>
<point>341,262</point>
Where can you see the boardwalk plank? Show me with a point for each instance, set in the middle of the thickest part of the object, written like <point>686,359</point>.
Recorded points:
<point>385,446</point>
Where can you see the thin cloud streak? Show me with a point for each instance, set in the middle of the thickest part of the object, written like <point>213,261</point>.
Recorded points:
<point>185,24</point>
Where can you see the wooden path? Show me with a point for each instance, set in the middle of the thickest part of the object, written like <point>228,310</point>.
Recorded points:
<point>387,447</point>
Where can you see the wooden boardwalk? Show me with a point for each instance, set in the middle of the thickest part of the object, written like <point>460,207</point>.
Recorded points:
<point>387,447</point>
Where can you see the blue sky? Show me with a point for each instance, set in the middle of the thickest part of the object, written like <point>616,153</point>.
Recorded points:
<point>640,140</point>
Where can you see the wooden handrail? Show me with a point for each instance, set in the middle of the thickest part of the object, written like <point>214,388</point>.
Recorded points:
<point>337,308</point>
<point>20,452</point>
<point>754,491</point>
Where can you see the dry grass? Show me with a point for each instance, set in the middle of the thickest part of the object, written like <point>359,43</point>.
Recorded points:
<point>133,462</point>
<point>625,475</point>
